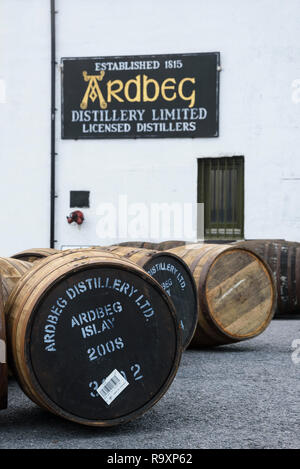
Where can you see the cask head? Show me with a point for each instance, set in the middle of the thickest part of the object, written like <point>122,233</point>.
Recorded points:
<point>79,319</point>
<point>236,292</point>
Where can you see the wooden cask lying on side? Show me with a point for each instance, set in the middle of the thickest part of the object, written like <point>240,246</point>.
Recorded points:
<point>236,293</point>
<point>283,257</point>
<point>11,271</point>
<point>34,254</point>
<point>3,365</point>
<point>139,244</point>
<point>77,321</point>
<point>165,245</point>
<point>162,246</point>
<point>172,273</point>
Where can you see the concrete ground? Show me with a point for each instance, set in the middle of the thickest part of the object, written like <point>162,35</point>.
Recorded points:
<point>245,395</point>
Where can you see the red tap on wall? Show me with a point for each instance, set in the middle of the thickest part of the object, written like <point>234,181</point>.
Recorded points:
<point>76,216</point>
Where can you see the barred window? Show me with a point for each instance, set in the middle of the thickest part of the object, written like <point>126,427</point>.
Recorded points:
<point>221,189</point>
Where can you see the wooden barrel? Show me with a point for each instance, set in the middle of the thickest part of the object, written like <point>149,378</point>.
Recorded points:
<point>139,244</point>
<point>94,338</point>
<point>283,258</point>
<point>172,273</point>
<point>34,254</point>
<point>163,246</point>
<point>11,270</point>
<point>236,293</point>
<point>3,365</point>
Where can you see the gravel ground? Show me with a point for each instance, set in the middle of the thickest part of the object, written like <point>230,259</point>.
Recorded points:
<point>238,396</point>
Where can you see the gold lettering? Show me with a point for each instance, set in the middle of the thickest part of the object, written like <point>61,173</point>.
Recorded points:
<point>113,92</point>
<point>146,82</point>
<point>190,98</point>
<point>137,83</point>
<point>136,91</point>
<point>93,91</point>
<point>165,87</point>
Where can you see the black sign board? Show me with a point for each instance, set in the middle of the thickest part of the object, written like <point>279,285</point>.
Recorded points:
<point>141,96</point>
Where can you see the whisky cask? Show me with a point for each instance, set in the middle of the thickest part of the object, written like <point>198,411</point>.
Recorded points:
<point>35,254</point>
<point>173,274</point>
<point>3,365</point>
<point>283,258</point>
<point>165,245</point>
<point>81,323</point>
<point>11,271</point>
<point>162,246</point>
<point>139,244</point>
<point>236,293</point>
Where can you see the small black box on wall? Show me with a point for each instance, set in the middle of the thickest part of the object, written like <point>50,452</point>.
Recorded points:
<point>80,199</point>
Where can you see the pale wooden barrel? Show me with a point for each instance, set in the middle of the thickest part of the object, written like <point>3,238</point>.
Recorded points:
<point>35,254</point>
<point>139,244</point>
<point>78,318</point>
<point>162,246</point>
<point>236,293</point>
<point>11,270</point>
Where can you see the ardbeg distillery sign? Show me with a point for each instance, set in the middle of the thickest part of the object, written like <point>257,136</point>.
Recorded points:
<point>140,96</point>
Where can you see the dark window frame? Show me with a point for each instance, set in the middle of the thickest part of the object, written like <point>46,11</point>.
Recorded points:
<point>223,218</point>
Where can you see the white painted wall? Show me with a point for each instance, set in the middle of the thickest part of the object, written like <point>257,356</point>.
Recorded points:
<point>24,125</point>
<point>259,44</point>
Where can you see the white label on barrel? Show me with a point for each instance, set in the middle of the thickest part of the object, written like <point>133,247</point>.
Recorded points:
<point>113,385</point>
